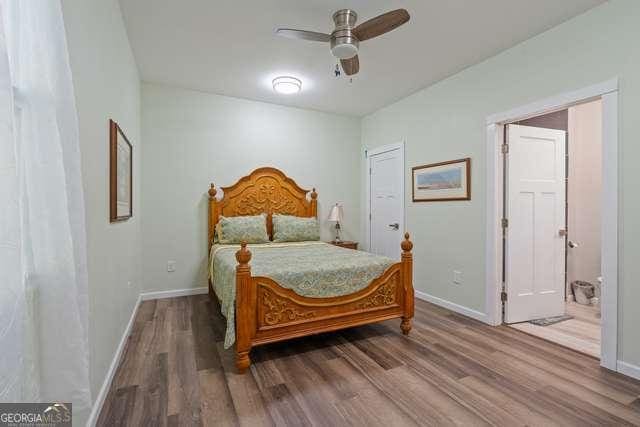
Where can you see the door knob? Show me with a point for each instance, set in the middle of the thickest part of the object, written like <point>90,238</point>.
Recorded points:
<point>395,226</point>
<point>572,244</point>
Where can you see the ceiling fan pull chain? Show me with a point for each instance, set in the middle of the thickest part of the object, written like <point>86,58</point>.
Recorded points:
<point>337,71</point>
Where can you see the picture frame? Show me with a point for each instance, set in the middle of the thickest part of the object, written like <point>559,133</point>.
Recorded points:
<point>120,174</point>
<point>443,181</point>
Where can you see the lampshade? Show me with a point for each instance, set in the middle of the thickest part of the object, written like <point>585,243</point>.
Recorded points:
<point>336,213</point>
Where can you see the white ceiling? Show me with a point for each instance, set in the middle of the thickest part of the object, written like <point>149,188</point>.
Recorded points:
<point>229,47</point>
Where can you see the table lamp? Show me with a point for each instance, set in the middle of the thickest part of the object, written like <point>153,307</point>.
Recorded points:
<point>336,215</point>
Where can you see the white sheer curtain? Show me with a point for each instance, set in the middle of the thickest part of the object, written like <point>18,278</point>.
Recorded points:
<point>43,276</point>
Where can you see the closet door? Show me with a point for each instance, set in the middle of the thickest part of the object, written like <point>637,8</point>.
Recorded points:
<point>387,202</point>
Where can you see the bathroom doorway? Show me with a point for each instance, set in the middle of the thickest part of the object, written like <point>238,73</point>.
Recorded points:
<point>552,200</point>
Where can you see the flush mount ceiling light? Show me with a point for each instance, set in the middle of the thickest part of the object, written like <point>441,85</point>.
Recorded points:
<point>287,85</point>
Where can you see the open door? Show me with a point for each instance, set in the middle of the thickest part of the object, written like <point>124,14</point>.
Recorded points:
<point>535,191</point>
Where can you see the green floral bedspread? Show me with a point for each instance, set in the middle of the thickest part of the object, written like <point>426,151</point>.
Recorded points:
<point>310,269</point>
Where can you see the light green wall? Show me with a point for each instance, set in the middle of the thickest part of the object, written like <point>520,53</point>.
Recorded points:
<point>194,138</point>
<point>107,85</point>
<point>447,121</point>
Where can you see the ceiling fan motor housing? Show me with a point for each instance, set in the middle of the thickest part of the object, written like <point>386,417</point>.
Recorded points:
<point>344,44</point>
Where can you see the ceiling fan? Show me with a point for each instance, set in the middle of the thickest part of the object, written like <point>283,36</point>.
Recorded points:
<point>346,37</point>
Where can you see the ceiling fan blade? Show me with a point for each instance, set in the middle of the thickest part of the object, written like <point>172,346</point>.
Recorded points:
<point>381,24</point>
<point>303,35</point>
<point>350,66</point>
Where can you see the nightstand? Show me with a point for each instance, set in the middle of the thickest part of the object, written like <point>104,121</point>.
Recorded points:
<point>345,244</point>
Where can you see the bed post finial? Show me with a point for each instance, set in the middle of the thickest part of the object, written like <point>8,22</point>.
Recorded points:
<point>212,191</point>
<point>406,244</point>
<point>314,203</point>
<point>243,256</point>
<point>407,279</point>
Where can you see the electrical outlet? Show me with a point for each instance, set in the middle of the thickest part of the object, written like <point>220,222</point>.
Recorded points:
<point>171,266</point>
<point>457,277</point>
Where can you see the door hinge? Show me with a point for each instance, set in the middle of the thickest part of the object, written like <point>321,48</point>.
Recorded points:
<point>369,171</point>
<point>505,222</point>
<point>505,148</point>
<point>503,296</point>
<point>369,217</point>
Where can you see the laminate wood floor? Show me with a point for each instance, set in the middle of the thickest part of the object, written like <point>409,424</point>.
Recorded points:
<point>451,370</point>
<point>582,333</point>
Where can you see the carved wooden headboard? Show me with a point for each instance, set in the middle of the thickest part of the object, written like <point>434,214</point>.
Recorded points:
<point>265,190</point>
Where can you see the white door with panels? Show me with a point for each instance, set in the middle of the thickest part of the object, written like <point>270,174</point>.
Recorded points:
<point>535,190</point>
<point>386,185</point>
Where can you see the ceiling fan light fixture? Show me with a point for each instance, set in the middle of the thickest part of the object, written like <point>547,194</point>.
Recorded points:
<point>345,38</point>
<point>344,50</point>
<point>287,85</point>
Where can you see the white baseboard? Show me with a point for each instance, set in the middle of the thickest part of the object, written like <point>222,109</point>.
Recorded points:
<point>628,369</point>
<point>482,317</point>
<point>173,293</point>
<point>106,385</point>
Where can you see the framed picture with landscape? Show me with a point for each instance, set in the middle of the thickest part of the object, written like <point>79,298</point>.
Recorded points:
<point>120,174</point>
<point>444,181</point>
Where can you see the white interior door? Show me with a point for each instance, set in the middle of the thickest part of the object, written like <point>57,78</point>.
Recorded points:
<point>387,202</point>
<point>535,238</point>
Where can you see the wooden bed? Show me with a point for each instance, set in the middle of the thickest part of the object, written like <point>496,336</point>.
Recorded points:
<point>267,312</point>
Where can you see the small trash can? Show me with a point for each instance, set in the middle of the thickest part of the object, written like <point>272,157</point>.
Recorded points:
<point>583,292</point>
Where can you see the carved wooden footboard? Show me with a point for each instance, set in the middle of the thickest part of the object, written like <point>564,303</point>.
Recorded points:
<point>266,312</point>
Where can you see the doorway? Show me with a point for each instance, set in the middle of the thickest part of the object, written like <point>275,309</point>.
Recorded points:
<point>607,92</point>
<point>385,213</point>
<point>552,245</point>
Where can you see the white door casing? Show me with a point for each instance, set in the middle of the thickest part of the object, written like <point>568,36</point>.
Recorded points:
<point>535,208</point>
<point>386,200</point>
<point>611,224</point>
